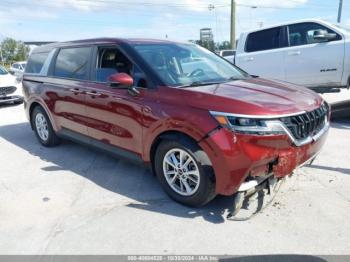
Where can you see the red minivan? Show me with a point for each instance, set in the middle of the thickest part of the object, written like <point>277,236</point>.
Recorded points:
<point>205,126</point>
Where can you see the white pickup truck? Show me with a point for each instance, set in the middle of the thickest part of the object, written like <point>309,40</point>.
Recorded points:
<point>312,53</point>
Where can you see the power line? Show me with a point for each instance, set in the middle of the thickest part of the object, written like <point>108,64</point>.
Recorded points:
<point>279,7</point>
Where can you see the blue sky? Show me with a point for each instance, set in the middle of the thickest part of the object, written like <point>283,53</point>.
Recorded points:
<point>59,20</point>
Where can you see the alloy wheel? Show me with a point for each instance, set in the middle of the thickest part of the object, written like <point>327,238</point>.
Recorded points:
<point>181,172</point>
<point>41,126</point>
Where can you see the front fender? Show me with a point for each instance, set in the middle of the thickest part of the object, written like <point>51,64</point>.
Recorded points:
<point>195,125</point>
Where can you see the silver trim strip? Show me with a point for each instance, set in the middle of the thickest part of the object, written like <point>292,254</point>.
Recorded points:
<point>256,116</point>
<point>276,125</point>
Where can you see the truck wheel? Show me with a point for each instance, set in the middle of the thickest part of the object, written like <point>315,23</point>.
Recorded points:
<point>43,128</point>
<point>185,172</point>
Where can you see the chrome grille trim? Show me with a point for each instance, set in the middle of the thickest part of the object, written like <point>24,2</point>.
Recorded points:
<point>315,122</point>
<point>308,124</point>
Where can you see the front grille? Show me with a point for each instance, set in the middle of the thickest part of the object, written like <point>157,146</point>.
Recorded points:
<point>6,90</point>
<point>308,124</point>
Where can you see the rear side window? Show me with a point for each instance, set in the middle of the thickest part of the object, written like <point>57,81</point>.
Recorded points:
<point>73,63</point>
<point>265,40</point>
<point>36,62</point>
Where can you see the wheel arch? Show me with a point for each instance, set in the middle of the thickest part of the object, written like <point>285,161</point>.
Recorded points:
<point>178,136</point>
<point>30,111</point>
<point>167,135</point>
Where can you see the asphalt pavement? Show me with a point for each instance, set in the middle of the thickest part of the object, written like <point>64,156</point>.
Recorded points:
<point>74,200</point>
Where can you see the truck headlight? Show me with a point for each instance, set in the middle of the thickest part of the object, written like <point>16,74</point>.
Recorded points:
<point>249,125</point>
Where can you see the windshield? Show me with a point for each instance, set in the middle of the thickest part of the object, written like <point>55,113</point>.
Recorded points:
<point>3,71</point>
<point>187,64</point>
<point>23,65</point>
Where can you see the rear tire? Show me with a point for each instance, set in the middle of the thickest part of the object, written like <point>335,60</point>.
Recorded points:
<point>43,128</point>
<point>185,172</point>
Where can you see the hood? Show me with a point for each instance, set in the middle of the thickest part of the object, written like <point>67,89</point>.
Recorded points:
<point>7,80</point>
<point>254,96</point>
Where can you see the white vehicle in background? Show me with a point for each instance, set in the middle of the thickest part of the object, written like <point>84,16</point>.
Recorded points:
<point>229,55</point>
<point>312,53</point>
<point>10,89</point>
<point>17,69</point>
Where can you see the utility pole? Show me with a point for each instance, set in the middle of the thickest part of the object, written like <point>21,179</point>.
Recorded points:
<point>233,24</point>
<point>340,10</point>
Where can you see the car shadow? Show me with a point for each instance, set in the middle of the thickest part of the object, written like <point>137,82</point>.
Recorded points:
<point>336,169</point>
<point>118,176</point>
<point>341,124</point>
<point>113,174</point>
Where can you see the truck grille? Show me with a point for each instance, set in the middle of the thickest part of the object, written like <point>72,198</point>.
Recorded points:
<point>6,90</point>
<point>308,124</point>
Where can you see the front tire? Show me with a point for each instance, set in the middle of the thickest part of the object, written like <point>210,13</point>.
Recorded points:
<point>43,128</point>
<point>185,172</point>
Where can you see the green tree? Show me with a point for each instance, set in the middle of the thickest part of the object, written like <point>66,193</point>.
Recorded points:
<point>224,45</point>
<point>213,46</point>
<point>22,51</point>
<point>210,45</point>
<point>8,49</point>
<point>13,50</point>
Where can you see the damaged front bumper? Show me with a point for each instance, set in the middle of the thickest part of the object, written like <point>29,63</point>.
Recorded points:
<point>242,161</point>
<point>249,202</point>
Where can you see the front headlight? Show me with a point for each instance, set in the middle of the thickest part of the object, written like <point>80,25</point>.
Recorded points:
<point>249,125</point>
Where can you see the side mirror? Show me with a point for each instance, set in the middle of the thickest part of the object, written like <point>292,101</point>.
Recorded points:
<point>120,80</point>
<point>323,36</point>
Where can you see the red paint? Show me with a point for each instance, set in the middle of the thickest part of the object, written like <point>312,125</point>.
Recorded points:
<point>121,79</point>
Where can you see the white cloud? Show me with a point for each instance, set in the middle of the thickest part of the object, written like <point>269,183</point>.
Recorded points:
<point>84,5</point>
<point>161,18</point>
<point>91,5</point>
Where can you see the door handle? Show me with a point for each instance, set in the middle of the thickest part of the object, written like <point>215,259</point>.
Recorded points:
<point>146,109</point>
<point>294,53</point>
<point>248,59</point>
<point>76,91</point>
<point>93,93</point>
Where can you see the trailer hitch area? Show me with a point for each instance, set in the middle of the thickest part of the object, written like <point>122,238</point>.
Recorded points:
<point>253,196</point>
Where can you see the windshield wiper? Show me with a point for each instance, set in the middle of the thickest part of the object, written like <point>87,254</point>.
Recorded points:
<point>200,83</point>
<point>232,78</point>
